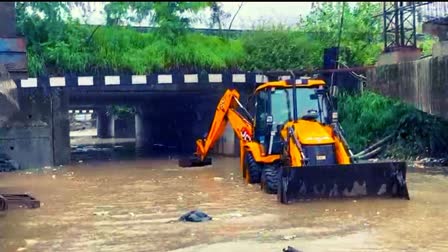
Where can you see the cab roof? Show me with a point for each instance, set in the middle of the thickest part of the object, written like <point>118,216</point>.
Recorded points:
<point>300,83</point>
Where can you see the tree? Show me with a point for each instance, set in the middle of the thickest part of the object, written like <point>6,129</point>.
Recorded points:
<point>361,33</point>
<point>52,35</point>
<point>218,16</point>
<point>170,17</point>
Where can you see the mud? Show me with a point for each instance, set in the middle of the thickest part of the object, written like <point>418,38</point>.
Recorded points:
<point>134,206</point>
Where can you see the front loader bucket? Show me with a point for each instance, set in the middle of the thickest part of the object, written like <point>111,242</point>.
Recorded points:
<point>194,162</point>
<point>387,179</point>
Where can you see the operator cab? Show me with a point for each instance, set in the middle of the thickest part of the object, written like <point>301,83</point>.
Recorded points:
<point>274,107</point>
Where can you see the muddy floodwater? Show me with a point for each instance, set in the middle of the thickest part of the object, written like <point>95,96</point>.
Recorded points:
<point>134,206</point>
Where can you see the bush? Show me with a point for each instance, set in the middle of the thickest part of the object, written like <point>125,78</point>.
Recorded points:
<point>369,117</point>
<point>280,48</point>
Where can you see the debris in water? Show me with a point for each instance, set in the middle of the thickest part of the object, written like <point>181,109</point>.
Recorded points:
<point>291,249</point>
<point>101,213</point>
<point>21,249</point>
<point>195,216</point>
<point>289,237</point>
<point>218,179</point>
<point>80,161</point>
<point>236,215</point>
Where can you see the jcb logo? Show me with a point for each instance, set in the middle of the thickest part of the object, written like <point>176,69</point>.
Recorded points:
<point>245,135</point>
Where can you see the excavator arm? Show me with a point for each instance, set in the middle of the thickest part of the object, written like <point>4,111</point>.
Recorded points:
<point>226,111</point>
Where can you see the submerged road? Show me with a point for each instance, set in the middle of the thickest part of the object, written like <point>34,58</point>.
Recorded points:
<point>134,206</point>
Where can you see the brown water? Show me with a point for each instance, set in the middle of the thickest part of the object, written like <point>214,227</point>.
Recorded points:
<point>134,205</point>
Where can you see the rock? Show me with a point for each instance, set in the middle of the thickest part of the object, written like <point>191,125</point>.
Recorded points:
<point>14,164</point>
<point>7,165</point>
<point>195,216</point>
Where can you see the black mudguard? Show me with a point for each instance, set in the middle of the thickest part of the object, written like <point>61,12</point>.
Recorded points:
<point>382,179</point>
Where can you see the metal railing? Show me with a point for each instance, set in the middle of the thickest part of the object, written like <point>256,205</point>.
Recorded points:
<point>435,12</point>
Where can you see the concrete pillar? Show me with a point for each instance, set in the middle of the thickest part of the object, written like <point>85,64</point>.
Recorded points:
<point>125,127</point>
<point>60,124</point>
<point>401,55</point>
<point>439,30</point>
<point>143,130</point>
<point>105,124</point>
<point>8,20</point>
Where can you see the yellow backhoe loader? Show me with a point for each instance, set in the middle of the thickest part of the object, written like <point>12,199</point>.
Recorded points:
<point>294,145</point>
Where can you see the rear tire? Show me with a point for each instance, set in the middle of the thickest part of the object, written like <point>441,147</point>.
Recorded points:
<point>253,168</point>
<point>270,178</point>
<point>3,205</point>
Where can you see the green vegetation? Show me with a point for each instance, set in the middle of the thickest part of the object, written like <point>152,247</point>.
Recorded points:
<point>121,48</point>
<point>369,117</point>
<point>120,111</point>
<point>59,44</point>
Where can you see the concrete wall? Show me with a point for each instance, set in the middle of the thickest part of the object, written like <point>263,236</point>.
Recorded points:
<point>38,134</point>
<point>422,83</point>
<point>29,146</point>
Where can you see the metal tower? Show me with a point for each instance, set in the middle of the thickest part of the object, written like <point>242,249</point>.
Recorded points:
<point>399,25</point>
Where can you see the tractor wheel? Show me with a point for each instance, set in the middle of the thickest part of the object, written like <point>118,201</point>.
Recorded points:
<point>3,205</point>
<point>253,168</point>
<point>270,178</point>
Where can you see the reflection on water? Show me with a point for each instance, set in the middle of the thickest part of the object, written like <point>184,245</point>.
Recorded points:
<point>133,205</point>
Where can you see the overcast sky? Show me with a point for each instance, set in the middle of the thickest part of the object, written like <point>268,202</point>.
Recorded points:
<point>251,13</point>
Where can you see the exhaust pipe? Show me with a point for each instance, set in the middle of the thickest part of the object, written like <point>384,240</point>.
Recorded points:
<point>294,96</point>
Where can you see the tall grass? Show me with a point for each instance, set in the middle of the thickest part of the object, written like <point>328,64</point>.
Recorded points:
<point>122,49</point>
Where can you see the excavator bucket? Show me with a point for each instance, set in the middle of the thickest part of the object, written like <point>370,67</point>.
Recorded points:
<point>386,180</point>
<point>194,162</point>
